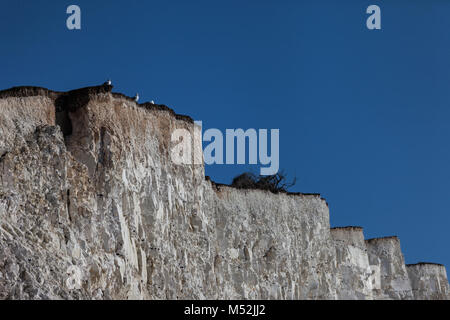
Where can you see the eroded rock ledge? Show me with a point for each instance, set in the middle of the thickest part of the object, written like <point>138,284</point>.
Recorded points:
<point>91,207</point>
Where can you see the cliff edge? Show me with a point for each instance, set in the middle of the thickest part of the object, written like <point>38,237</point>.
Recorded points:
<point>92,207</point>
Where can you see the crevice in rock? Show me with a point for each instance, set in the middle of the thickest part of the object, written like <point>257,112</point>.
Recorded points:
<point>102,151</point>
<point>62,120</point>
<point>71,101</point>
<point>68,205</point>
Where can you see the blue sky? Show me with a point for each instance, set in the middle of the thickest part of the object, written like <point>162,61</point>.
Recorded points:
<point>363,115</point>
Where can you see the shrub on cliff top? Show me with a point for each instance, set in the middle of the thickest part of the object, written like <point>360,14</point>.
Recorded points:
<point>274,183</point>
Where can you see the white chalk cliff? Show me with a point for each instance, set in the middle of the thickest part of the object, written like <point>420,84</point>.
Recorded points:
<point>92,207</point>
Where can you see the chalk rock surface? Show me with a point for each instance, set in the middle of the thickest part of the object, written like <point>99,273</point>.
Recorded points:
<point>93,207</point>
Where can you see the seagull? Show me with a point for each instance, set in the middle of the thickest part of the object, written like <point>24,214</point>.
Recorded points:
<point>136,97</point>
<point>152,102</point>
<point>108,82</point>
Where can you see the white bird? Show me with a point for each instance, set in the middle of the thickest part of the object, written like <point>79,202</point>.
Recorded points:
<point>136,97</point>
<point>152,102</point>
<point>108,82</point>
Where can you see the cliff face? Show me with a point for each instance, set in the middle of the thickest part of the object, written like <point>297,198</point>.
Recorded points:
<point>92,207</point>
